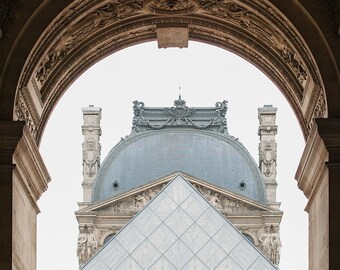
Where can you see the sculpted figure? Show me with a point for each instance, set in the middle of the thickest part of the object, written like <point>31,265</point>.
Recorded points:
<point>215,201</point>
<point>91,244</point>
<point>140,201</point>
<point>266,240</point>
<point>87,245</point>
<point>271,244</point>
<point>81,246</point>
<point>276,246</point>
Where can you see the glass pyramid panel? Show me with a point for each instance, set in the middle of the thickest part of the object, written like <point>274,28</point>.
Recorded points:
<point>179,229</point>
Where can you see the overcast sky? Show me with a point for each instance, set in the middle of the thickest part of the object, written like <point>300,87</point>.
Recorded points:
<point>206,74</point>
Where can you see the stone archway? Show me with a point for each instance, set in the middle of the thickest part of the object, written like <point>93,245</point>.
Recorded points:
<point>84,33</point>
<point>48,45</point>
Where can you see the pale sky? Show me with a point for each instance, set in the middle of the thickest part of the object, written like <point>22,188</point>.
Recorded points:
<point>206,74</point>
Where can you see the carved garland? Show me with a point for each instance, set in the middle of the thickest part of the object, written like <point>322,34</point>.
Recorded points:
<point>75,33</point>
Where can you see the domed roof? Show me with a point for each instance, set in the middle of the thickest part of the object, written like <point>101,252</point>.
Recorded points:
<point>214,157</point>
<point>194,141</point>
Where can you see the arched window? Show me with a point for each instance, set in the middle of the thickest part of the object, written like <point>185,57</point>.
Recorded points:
<point>107,238</point>
<point>249,238</point>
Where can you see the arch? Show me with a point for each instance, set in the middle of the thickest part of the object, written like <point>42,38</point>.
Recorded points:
<point>83,33</point>
<point>46,45</point>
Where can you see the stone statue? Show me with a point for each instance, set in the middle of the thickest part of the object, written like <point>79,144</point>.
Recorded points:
<point>86,245</point>
<point>91,244</point>
<point>266,240</point>
<point>271,244</point>
<point>140,201</point>
<point>276,246</point>
<point>214,200</point>
<point>81,246</point>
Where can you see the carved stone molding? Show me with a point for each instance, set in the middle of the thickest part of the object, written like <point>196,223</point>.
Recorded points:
<point>25,111</point>
<point>225,204</point>
<point>252,29</point>
<point>171,7</point>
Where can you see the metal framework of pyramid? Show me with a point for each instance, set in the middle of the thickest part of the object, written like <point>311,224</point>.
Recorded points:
<point>179,229</point>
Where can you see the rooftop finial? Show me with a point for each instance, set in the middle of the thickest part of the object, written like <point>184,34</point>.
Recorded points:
<point>179,102</point>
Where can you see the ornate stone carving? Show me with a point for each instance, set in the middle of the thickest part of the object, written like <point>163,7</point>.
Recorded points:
<point>271,243</point>
<point>171,6</point>
<point>23,114</point>
<point>91,157</point>
<point>256,25</point>
<point>268,157</point>
<point>224,203</point>
<point>132,204</point>
<point>80,29</point>
<point>86,245</point>
<point>221,202</point>
<point>104,233</point>
<point>179,115</point>
<point>320,108</point>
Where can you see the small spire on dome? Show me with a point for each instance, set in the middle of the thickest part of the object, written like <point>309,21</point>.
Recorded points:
<point>179,102</point>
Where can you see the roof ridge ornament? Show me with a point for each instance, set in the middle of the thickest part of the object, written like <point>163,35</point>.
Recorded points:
<point>180,115</point>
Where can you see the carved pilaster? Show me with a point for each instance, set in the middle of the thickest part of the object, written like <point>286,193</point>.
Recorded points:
<point>318,176</point>
<point>24,178</point>
<point>10,134</point>
<point>267,149</point>
<point>91,148</point>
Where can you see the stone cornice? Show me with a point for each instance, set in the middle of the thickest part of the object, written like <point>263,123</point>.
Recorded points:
<point>30,168</point>
<point>322,149</point>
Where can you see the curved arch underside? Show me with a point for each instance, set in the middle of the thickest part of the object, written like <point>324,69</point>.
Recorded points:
<point>87,31</point>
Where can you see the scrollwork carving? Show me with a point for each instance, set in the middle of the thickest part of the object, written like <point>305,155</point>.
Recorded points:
<point>91,157</point>
<point>81,29</point>
<point>171,6</point>
<point>268,158</point>
<point>256,25</point>
<point>24,114</point>
<point>180,115</point>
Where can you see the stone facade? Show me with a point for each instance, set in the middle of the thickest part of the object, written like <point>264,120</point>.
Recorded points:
<point>258,221</point>
<point>304,27</point>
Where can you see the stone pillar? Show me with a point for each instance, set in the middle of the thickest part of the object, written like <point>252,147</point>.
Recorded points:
<point>267,149</point>
<point>24,178</point>
<point>10,134</point>
<point>91,149</point>
<point>318,177</point>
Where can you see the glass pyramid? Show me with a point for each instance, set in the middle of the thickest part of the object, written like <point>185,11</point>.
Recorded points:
<point>179,229</point>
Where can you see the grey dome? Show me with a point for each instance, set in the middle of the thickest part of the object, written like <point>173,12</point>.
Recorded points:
<point>215,158</point>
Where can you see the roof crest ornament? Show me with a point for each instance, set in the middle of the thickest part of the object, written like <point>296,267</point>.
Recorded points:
<point>180,115</point>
